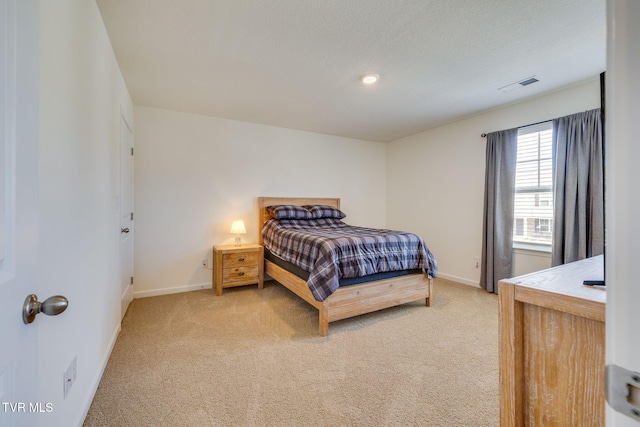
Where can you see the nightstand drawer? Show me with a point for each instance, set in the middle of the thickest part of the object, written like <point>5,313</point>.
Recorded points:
<point>239,259</point>
<point>238,275</point>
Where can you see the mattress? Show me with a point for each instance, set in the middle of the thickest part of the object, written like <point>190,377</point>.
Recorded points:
<point>327,251</point>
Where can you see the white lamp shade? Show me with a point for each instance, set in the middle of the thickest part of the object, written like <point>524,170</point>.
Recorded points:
<point>238,227</point>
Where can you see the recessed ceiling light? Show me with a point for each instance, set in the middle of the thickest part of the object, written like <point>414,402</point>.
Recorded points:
<point>369,79</point>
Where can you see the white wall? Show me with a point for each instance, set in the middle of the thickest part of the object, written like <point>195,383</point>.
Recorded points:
<point>195,174</point>
<point>435,179</point>
<point>81,93</point>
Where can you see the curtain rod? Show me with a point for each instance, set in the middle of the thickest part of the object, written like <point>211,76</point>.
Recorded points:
<point>484,135</point>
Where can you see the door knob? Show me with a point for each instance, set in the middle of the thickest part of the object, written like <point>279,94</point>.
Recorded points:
<point>124,230</point>
<point>51,306</point>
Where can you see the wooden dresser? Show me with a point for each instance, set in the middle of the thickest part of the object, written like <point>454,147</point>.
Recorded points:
<point>552,347</point>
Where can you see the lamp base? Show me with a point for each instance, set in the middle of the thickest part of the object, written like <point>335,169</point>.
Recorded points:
<point>238,240</point>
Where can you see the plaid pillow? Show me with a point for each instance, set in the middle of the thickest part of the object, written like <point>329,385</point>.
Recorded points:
<point>288,212</point>
<point>323,211</point>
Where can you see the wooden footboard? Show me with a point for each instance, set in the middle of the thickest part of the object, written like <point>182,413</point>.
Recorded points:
<point>354,300</point>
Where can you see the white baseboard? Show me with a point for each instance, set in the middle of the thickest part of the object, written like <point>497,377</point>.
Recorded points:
<point>457,279</point>
<point>167,291</point>
<point>200,286</point>
<point>96,380</point>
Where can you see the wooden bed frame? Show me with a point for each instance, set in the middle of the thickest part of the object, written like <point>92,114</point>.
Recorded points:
<point>348,301</point>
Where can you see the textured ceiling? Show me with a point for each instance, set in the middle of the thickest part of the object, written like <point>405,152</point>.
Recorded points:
<point>296,63</point>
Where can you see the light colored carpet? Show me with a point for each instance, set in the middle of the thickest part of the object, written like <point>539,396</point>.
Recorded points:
<point>254,358</point>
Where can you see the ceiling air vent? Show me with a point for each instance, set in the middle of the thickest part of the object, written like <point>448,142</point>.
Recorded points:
<point>519,84</point>
<point>528,81</point>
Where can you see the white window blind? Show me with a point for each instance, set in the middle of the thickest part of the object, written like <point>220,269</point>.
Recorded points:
<point>533,208</point>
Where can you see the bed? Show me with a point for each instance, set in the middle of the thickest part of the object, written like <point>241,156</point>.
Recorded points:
<point>345,301</point>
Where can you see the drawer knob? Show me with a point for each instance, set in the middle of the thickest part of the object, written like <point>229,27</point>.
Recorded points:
<point>241,273</point>
<point>240,259</point>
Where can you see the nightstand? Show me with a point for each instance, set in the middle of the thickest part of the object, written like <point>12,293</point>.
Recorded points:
<point>237,266</point>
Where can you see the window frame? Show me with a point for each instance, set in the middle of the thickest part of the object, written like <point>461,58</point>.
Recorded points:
<point>540,189</point>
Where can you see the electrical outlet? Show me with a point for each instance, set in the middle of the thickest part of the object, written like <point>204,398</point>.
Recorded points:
<point>477,261</point>
<point>205,263</point>
<point>69,376</point>
<point>66,383</point>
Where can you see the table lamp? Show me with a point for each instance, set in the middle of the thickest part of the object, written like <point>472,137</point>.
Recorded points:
<point>237,228</point>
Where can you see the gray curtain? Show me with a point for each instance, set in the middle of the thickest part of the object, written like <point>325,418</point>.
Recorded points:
<point>578,162</point>
<point>499,193</point>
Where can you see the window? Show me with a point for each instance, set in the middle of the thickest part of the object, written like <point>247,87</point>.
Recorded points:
<point>533,208</point>
<point>543,225</point>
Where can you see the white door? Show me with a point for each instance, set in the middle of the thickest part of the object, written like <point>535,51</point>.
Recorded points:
<point>126,214</point>
<point>623,200</point>
<point>18,210</point>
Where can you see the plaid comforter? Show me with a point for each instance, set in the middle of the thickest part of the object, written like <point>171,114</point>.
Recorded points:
<point>330,250</point>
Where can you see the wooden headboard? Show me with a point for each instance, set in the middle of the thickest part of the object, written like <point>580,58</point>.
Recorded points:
<point>263,202</point>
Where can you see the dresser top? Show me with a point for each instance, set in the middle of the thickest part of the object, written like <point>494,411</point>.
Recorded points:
<point>240,248</point>
<point>567,280</point>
